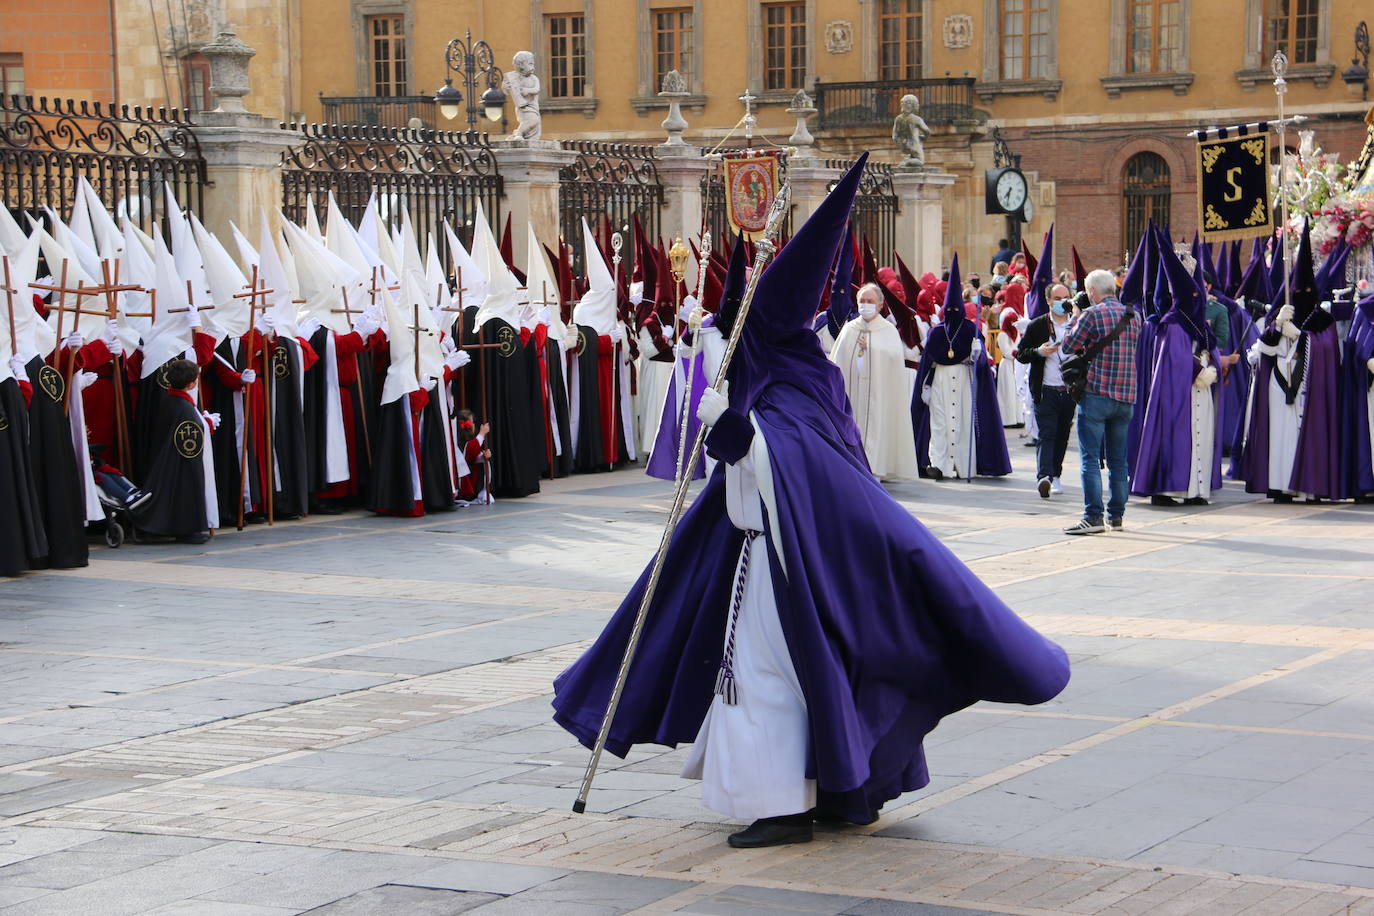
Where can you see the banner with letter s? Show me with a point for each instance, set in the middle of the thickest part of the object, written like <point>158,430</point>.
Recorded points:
<point>1233,186</point>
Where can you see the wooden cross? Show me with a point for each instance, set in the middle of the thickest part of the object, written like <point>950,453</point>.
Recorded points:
<point>348,313</point>
<point>82,291</point>
<point>111,288</point>
<point>253,295</point>
<point>9,292</point>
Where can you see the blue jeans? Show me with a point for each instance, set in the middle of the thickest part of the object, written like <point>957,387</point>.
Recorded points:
<point>1102,425</point>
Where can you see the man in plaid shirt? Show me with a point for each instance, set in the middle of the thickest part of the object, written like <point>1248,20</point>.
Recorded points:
<point>1105,411</point>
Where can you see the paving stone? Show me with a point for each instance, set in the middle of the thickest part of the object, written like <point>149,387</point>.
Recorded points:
<point>487,877</point>
<point>743,901</point>
<point>583,893</point>
<point>412,901</point>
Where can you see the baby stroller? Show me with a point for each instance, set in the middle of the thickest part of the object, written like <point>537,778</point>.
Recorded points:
<point>118,498</point>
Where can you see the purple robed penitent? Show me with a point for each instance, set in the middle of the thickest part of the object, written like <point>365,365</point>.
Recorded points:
<point>663,459</point>
<point>1357,387</point>
<point>888,631</point>
<point>1164,461</point>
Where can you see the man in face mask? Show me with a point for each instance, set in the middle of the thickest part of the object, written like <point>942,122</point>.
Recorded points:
<point>1053,406</point>
<point>872,358</point>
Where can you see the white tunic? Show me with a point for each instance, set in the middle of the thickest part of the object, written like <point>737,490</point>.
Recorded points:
<point>1008,385</point>
<point>1285,420</point>
<point>1203,419</point>
<point>751,757</point>
<point>872,358</point>
<point>952,444</point>
<point>654,377</point>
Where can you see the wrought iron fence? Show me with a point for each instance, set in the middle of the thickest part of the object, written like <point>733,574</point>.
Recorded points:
<point>713,203</point>
<point>615,179</point>
<point>944,100</point>
<point>875,207</point>
<point>379,111</point>
<point>125,152</point>
<point>437,176</point>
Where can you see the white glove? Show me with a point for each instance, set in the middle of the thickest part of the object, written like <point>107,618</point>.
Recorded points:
<point>636,297</point>
<point>688,304</point>
<point>616,334</point>
<point>545,316</point>
<point>263,324</point>
<point>458,359</point>
<point>1285,315</point>
<point>193,318</point>
<point>74,341</point>
<point>1290,330</point>
<point>248,376</point>
<point>711,406</point>
<point>925,395</point>
<point>669,332</point>
<point>570,341</point>
<point>84,380</point>
<point>976,350</point>
<point>307,328</point>
<point>19,368</point>
<point>447,346</point>
<point>1205,379</point>
<point>110,336</point>
<point>212,419</point>
<point>366,325</point>
<point>1370,366</point>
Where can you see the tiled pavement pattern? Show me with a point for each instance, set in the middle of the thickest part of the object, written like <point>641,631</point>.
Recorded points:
<point>350,715</point>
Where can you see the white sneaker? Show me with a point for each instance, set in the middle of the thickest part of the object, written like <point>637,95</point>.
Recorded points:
<point>1056,487</point>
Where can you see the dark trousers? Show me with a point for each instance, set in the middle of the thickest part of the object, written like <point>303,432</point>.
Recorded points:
<point>1054,416</point>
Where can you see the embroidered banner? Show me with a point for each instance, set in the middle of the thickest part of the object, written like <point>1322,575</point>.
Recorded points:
<point>1233,186</point>
<point>751,183</point>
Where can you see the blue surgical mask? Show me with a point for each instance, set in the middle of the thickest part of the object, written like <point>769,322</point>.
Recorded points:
<point>1060,306</point>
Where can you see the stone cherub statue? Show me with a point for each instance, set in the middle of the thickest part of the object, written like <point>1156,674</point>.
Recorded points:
<point>908,130</point>
<point>523,88</point>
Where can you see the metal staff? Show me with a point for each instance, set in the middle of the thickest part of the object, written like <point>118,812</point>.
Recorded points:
<point>693,324</point>
<point>764,249</point>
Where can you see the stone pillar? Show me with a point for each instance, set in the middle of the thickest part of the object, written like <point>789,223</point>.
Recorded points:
<point>920,217</point>
<point>529,176</point>
<point>242,150</point>
<point>680,170</point>
<point>811,179</point>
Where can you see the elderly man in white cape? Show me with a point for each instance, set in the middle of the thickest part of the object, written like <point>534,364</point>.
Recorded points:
<point>603,411</point>
<point>872,358</point>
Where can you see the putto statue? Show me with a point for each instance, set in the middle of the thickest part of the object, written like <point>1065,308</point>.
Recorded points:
<point>908,130</point>
<point>523,88</point>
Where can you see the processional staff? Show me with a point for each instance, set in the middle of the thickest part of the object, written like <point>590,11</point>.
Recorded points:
<point>764,250</point>
<point>253,295</point>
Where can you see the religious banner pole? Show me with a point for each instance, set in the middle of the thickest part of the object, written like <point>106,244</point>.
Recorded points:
<point>764,250</point>
<point>1279,66</point>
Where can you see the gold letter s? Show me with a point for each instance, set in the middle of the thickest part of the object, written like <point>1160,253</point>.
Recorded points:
<point>1235,191</point>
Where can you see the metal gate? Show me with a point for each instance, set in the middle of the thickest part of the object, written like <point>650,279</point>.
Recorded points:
<point>126,153</point>
<point>437,176</point>
<point>875,208</point>
<point>614,179</point>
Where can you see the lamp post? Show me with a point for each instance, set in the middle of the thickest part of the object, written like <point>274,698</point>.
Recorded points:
<point>1357,74</point>
<point>471,60</point>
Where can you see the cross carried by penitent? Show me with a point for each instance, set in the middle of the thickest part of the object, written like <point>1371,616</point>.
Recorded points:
<point>255,294</point>
<point>458,341</point>
<point>81,291</point>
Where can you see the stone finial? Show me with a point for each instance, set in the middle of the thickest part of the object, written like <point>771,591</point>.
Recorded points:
<point>802,108</point>
<point>523,87</point>
<point>228,57</point>
<point>908,131</point>
<point>674,90</point>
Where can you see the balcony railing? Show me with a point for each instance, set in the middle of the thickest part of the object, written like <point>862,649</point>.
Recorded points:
<point>379,111</point>
<point>944,100</point>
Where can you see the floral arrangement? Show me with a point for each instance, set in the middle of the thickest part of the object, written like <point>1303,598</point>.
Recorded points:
<point>1317,191</point>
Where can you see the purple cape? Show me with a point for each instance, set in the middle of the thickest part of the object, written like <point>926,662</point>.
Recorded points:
<point>1236,387</point>
<point>1144,367</point>
<point>990,442</point>
<point>887,629</point>
<point>1164,461</point>
<point>663,458</point>
<point>1357,387</point>
<point>1316,469</point>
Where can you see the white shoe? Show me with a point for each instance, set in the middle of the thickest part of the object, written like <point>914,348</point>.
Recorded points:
<point>1056,487</point>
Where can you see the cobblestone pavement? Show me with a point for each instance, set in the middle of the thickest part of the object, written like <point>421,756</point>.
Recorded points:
<point>349,715</point>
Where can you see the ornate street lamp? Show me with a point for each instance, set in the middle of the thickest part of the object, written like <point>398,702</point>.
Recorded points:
<point>1357,74</point>
<point>471,60</point>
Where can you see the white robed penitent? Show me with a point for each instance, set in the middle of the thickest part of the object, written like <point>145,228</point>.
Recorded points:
<point>872,358</point>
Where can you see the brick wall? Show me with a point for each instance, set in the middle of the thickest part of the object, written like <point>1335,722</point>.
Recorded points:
<point>66,46</point>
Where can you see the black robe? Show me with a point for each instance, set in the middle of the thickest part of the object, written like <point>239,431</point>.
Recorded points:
<point>225,441</point>
<point>57,480</point>
<point>391,489</point>
<point>558,399</point>
<point>364,394</point>
<point>292,497</point>
<point>515,404</point>
<point>589,451</point>
<point>149,426</point>
<point>22,537</point>
<point>436,474</point>
<point>176,478</point>
<point>316,408</point>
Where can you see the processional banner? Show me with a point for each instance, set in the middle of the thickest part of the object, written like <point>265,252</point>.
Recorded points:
<point>751,183</point>
<point>1233,185</point>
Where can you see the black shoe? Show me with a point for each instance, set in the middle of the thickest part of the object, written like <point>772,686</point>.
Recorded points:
<point>1195,501</point>
<point>774,831</point>
<point>1031,443</point>
<point>326,507</point>
<point>1163,501</point>
<point>200,537</point>
<point>1114,524</point>
<point>935,473</point>
<point>1086,526</point>
<point>1044,487</point>
<point>1283,498</point>
<point>834,820</point>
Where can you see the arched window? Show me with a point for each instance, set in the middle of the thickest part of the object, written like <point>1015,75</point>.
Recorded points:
<point>1145,195</point>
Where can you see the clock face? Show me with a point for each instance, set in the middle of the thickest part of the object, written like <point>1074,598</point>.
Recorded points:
<point>1011,191</point>
<point>1027,211</point>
